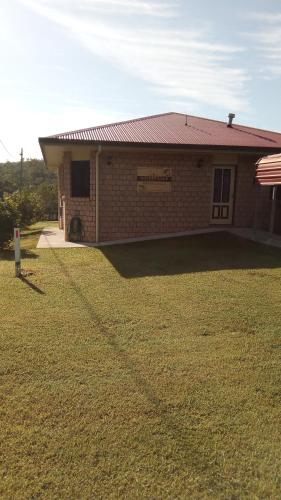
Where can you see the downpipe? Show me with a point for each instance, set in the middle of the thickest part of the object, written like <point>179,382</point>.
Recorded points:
<point>99,150</point>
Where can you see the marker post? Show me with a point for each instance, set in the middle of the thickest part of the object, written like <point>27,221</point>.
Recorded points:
<point>17,251</point>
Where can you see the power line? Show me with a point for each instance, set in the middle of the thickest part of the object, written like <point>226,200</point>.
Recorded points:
<point>7,151</point>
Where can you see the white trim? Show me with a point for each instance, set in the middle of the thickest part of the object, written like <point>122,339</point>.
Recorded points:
<point>230,204</point>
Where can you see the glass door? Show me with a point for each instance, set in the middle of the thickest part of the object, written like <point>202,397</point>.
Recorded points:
<point>222,199</point>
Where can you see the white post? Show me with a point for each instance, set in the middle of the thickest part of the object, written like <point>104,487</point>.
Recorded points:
<point>17,251</point>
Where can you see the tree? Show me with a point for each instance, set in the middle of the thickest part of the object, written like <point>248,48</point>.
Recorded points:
<point>49,200</point>
<point>25,207</point>
<point>35,173</point>
<point>36,178</point>
<point>7,223</point>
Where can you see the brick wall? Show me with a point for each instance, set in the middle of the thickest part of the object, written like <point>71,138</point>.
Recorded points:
<point>251,203</point>
<point>263,208</point>
<point>127,213</point>
<point>82,207</point>
<point>244,200</point>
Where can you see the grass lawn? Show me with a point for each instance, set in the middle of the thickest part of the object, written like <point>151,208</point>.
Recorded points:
<point>148,370</point>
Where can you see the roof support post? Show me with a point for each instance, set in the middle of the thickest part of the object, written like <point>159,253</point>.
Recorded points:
<point>257,202</point>
<point>67,158</point>
<point>99,150</point>
<point>273,210</point>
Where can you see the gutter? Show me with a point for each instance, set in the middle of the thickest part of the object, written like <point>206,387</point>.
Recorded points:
<point>270,149</point>
<point>99,150</point>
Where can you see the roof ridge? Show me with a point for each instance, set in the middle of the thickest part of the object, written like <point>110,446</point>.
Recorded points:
<point>225,122</point>
<point>235,124</point>
<point>255,128</point>
<point>132,120</point>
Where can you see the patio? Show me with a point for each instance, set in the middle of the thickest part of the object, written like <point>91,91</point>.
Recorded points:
<point>54,237</point>
<point>258,235</point>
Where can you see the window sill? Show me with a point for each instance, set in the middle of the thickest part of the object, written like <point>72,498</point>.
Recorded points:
<point>80,198</point>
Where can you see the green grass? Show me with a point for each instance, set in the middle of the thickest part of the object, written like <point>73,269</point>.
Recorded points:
<point>149,370</point>
<point>30,235</point>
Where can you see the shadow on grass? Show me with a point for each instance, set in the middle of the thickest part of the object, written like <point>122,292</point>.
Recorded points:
<point>31,232</point>
<point>187,455</point>
<point>25,254</point>
<point>31,285</point>
<point>191,254</point>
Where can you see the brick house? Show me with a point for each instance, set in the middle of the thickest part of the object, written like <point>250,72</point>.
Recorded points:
<point>157,175</point>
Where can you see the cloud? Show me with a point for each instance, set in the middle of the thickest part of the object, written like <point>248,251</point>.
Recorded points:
<point>141,7</point>
<point>268,43</point>
<point>267,17</point>
<point>176,63</point>
<point>25,130</point>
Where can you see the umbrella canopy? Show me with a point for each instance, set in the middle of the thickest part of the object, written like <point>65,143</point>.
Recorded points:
<point>268,172</point>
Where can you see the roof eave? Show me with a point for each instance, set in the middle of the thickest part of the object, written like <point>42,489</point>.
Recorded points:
<point>221,147</point>
<point>41,144</point>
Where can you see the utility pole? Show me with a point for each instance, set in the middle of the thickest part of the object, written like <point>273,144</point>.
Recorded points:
<point>21,168</point>
<point>17,251</point>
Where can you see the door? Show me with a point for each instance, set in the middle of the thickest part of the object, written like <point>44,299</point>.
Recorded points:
<point>222,196</point>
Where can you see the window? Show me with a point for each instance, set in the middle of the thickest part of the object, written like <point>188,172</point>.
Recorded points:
<point>80,179</point>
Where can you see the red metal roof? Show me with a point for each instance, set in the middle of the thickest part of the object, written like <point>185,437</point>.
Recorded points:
<point>268,171</point>
<point>175,129</point>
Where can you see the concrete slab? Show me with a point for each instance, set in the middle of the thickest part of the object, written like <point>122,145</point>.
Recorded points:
<point>257,235</point>
<point>54,238</point>
<point>160,236</point>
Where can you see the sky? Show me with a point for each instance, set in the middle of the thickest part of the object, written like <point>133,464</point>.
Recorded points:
<point>71,64</point>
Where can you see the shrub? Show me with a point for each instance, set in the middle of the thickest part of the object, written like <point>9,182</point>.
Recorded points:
<point>7,223</point>
<point>26,207</point>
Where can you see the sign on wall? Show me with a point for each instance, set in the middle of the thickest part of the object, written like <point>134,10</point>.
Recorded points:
<point>154,180</point>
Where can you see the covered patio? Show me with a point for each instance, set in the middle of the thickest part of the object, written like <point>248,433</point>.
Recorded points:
<point>268,176</point>
<point>257,235</point>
